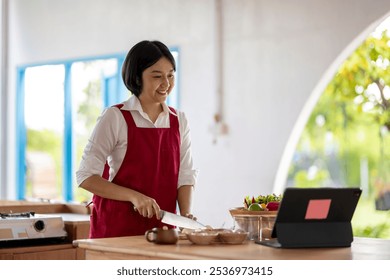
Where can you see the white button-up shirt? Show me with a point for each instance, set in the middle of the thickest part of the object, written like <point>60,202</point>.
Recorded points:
<point>108,141</point>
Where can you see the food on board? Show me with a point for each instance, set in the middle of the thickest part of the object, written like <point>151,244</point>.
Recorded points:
<point>268,202</point>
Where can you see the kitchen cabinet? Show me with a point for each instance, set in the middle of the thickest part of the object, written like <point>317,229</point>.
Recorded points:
<point>42,252</point>
<point>136,247</point>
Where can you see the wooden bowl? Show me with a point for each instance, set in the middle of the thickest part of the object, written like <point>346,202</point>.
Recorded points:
<point>234,237</point>
<point>243,211</point>
<point>203,237</point>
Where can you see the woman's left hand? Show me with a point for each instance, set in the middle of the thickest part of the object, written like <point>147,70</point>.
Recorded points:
<point>190,216</point>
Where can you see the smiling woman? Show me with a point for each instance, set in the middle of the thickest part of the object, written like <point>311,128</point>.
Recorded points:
<point>138,159</point>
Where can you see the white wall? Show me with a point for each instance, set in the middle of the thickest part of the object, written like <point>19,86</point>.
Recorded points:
<point>3,103</point>
<point>275,53</point>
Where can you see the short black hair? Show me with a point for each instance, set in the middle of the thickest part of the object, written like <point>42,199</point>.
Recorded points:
<point>141,56</point>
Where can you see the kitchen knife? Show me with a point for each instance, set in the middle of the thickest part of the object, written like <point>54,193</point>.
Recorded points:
<point>179,221</point>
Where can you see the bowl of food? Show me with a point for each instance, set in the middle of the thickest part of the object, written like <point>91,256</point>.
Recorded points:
<point>249,217</point>
<point>233,237</point>
<point>203,237</point>
<point>260,205</point>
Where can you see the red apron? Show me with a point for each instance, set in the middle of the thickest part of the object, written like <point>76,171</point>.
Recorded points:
<point>150,166</point>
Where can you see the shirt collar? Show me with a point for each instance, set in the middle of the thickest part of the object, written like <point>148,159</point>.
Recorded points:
<point>133,104</point>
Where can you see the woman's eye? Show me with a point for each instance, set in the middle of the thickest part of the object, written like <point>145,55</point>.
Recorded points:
<point>160,77</point>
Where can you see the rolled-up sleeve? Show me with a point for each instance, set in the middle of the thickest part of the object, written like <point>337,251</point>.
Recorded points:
<point>188,173</point>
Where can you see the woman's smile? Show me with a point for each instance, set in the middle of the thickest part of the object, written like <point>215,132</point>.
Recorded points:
<point>162,92</point>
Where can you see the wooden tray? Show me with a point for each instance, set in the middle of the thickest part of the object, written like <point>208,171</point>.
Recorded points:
<point>241,211</point>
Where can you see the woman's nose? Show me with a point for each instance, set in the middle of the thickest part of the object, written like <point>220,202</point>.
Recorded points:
<point>165,82</point>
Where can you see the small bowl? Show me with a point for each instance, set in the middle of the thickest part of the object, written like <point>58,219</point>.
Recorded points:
<point>234,237</point>
<point>202,237</point>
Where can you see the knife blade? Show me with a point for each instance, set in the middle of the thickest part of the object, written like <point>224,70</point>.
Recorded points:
<point>179,221</point>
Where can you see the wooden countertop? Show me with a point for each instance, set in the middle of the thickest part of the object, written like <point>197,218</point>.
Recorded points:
<point>17,206</point>
<point>136,247</point>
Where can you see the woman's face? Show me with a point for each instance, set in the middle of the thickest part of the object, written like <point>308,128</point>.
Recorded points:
<point>157,81</point>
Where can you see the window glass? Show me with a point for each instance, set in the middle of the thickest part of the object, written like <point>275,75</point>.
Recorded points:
<point>88,84</point>
<point>44,120</point>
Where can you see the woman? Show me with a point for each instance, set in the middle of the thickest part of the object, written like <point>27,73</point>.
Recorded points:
<point>138,159</point>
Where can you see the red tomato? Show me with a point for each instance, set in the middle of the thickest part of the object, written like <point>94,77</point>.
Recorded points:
<point>273,205</point>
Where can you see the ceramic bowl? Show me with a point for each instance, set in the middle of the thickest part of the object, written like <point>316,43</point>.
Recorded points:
<point>234,237</point>
<point>203,237</point>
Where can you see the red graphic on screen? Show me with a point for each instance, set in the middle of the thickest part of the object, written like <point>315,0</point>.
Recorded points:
<point>318,209</point>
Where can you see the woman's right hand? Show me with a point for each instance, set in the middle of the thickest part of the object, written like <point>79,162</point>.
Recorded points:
<point>146,206</point>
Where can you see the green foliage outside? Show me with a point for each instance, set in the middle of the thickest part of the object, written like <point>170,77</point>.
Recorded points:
<point>87,114</point>
<point>51,142</point>
<point>348,129</point>
<point>368,222</point>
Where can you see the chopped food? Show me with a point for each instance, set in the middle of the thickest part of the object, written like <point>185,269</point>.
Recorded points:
<point>273,205</point>
<point>262,202</point>
<point>255,207</point>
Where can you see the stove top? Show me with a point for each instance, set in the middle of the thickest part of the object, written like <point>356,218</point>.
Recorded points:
<point>16,215</point>
<point>29,225</point>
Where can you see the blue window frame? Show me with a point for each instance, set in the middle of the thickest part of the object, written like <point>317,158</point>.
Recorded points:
<point>112,91</point>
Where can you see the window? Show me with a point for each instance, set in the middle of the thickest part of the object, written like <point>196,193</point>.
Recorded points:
<point>44,130</point>
<point>57,107</point>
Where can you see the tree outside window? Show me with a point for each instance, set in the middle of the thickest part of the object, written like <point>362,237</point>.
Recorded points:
<point>346,141</point>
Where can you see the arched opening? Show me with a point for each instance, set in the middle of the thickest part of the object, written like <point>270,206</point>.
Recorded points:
<point>364,86</point>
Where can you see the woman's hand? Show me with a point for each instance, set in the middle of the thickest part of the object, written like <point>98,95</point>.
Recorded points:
<point>190,216</point>
<point>146,206</point>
